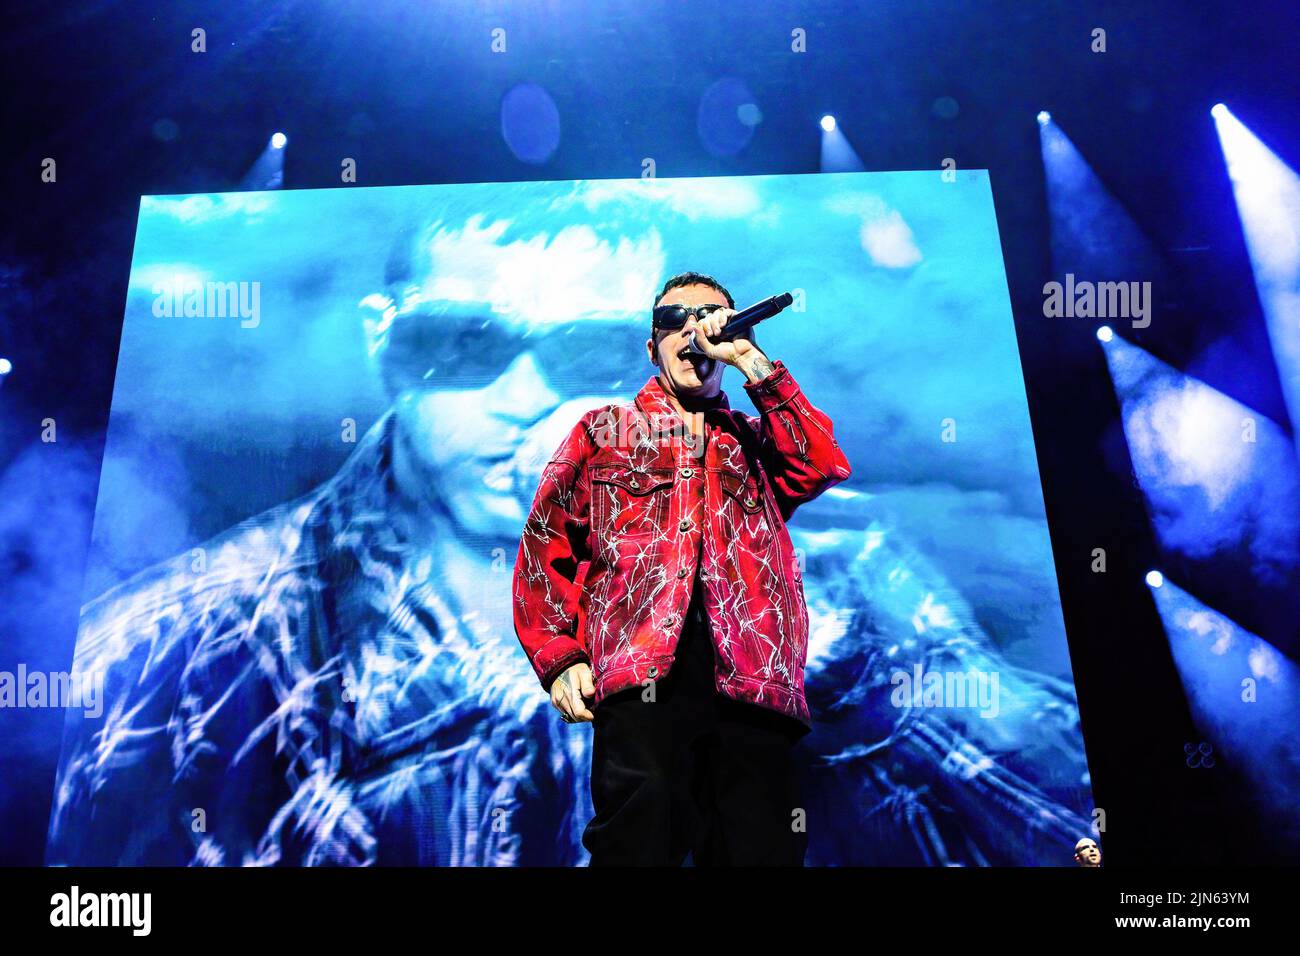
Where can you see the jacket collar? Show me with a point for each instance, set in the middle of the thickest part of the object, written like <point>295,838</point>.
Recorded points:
<point>658,408</point>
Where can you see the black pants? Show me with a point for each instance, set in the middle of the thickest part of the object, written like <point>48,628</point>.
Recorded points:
<point>693,772</point>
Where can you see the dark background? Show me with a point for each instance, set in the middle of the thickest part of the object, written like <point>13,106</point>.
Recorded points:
<point>413,93</point>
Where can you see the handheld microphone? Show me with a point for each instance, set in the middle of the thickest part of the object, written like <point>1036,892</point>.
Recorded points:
<point>746,319</point>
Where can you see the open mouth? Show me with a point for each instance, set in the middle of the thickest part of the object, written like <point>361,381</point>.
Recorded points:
<point>701,364</point>
<point>501,476</point>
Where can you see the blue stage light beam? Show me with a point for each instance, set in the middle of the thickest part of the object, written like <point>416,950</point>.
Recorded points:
<point>1244,698</point>
<point>1221,481</point>
<point>1216,473</point>
<point>838,155</point>
<point>267,171</point>
<point>1093,235</point>
<point>1268,201</point>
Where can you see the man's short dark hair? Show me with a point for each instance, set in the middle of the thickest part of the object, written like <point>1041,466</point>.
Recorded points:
<point>695,278</point>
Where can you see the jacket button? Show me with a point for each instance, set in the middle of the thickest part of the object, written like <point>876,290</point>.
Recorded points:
<point>681,573</point>
<point>685,525</point>
<point>687,472</point>
<point>653,671</point>
<point>749,502</point>
<point>634,483</point>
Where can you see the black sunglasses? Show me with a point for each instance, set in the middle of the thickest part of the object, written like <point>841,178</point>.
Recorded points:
<point>674,317</point>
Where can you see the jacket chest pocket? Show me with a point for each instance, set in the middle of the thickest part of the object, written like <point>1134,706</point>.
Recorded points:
<point>744,510</point>
<point>629,503</point>
<point>743,490</point>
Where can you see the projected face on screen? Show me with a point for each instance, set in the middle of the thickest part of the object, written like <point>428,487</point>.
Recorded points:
<point>298,599</point>
<point>470,383</point>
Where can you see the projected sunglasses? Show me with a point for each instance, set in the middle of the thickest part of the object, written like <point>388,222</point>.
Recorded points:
<point>449,350</point>
<point>673,317</point>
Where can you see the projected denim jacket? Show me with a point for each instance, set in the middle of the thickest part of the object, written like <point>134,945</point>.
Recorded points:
<point>303,690</point>
<point>628,512</point>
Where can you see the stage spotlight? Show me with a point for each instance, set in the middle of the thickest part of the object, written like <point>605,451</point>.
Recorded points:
<point>267,171</point>
<point>1218,111</point>
<point>838,155</point>
<point>1222,485</point>
<point>1044,118</point>
<point>1268,203</point>
<point>1093,236</point>
<point>1242,697</point>
<point>1105,333</point>
<point>1155,579</point>
<point>5,366</point>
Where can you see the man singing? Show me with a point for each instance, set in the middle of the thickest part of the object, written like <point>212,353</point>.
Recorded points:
<point>657,595</point>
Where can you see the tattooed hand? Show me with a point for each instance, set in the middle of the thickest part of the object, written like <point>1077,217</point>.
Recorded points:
<point>571,691</point>
<point>738,353</point>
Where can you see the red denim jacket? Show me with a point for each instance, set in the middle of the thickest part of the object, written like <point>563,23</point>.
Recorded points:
<point>628,511</point>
